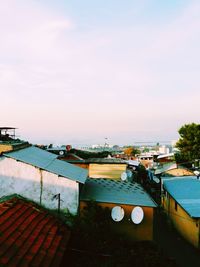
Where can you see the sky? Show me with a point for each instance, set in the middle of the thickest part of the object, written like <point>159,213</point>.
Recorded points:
<point>75,72</point>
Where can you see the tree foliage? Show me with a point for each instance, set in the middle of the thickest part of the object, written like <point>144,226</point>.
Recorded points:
<point>189,141</point>
<point>131,151</point>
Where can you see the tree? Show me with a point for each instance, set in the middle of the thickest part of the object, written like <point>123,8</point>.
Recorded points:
<point>131,151</point>
<point>189,142</point>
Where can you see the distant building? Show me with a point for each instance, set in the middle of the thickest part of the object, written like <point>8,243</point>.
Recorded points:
<point>122,198</point>
<point>163,149</point>
<point>181,202</point>
<point>146,160</point>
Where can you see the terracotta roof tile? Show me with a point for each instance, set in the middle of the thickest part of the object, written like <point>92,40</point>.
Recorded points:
<point>30,236</point>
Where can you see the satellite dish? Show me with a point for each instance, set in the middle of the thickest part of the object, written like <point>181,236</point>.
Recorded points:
<point>117,213</point>
<point>124,176</point>
<point>156,179</point>
<point>129,174</point>
<point>197,173</point>
<point>61,152</point>
<point>137,215</point>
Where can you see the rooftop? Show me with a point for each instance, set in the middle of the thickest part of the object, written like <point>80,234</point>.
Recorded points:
<point>48,161</point>
<point>30,236</point>
<point>119,192</point>
<point>186,191</point>
<point>98,161</point>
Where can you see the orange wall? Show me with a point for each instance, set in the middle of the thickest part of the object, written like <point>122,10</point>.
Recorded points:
<point>142,231</point>
<point>82,165</point>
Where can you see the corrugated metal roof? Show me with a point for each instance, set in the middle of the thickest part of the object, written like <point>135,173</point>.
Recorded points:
<point>105,161</point>
<point>48,161</point>
<point>165,167</point>
<point>186,192</point>
<point>133,162</point>
<point>30,236</point>
<point>112,191</point>
<point>165,155</point>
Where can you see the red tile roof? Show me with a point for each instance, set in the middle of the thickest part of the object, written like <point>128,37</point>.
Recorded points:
<point>30,236</point>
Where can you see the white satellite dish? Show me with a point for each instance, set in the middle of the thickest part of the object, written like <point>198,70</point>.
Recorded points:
<point>137,215</point>
<point>197,173</point>
<point>61,152</point>
<point>117,213</point>
<point>156,179</point>
<point>124,176</point>
<point>129,174</point>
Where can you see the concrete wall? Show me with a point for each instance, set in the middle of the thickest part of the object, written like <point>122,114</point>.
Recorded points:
<point>37,185</point>
<point>140,232</point>
<point>110,171</point>
<point>185,225</point>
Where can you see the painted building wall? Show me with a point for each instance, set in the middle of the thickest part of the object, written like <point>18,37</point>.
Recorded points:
<point>110,171</point>
<point>37,185</point>
<point>140,232</point>
<point>186,226</point>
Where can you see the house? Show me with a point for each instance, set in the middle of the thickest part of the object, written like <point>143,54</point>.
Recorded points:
<point>110,168</point>
<point>181,202</point>
<point>146,159</point>
<point>124,199</point>
<point>30,236</point>
<point>39,176</point>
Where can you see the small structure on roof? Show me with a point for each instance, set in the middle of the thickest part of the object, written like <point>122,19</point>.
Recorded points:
<point>122,198</point>
<point>181,202</point>
<point>8,141</point>
<point>39,176</point>
<point>7,133</point>
<point>30,236</point>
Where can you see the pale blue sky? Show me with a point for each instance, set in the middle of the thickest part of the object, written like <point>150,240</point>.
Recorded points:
<point>78,71</point>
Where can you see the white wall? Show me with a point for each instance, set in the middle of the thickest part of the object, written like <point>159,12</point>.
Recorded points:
<point>38,185</point>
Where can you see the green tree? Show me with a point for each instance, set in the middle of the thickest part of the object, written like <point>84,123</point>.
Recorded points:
<point>189,142</point>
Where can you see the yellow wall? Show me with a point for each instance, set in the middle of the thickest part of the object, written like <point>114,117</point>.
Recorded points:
<point>112,171</point>
<point>5,148</point>
<point>142,231</point>
<point>186,226</point>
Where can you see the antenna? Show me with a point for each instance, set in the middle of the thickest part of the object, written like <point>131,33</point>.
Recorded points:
<point>124,176</point>
<point>137,215</point>
<point>117,213</point>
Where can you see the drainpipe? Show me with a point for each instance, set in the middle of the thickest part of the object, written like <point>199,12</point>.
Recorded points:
<point>41,186</point>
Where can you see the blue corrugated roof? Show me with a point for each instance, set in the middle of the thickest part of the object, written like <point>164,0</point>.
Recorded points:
<point>115,191</point>
<point>48,161</point>
<point>186,192</point>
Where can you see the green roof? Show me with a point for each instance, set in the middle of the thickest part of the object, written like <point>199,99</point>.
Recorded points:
<point>48,161</point>
<point>114,191</point>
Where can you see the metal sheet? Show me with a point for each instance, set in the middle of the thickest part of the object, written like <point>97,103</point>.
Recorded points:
<point>49,162</point>
<point>119,192</point>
